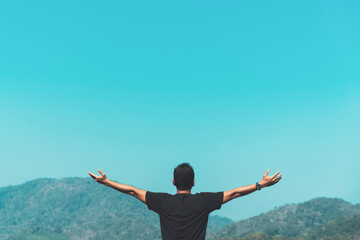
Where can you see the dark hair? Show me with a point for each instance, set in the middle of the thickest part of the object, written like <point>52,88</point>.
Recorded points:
<point>184,176</point>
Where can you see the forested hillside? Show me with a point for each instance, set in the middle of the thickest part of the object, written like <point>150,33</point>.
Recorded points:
<point>308,220</point>
<point>346,228</point>
<point>77,208</point>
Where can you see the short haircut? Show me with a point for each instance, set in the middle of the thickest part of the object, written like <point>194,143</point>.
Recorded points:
<point>184,176</point>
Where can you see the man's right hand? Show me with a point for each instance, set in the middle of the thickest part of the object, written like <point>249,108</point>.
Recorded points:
<point>100,179</point>
<point>270,180</point>
<point>127,189</point>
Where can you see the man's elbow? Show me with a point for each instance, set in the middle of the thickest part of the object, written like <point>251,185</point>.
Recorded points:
<point>229,195</point>
<point>131,191</point>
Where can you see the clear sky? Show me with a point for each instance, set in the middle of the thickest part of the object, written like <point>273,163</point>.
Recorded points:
<point>136,87</point>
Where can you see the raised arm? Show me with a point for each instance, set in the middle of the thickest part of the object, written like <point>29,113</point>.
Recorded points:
<point>138,193</point>
<point>242,191</point>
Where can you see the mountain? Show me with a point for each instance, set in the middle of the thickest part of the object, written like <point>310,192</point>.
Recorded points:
<point>77,208</point>
<point>344,228</point>
<point>292,221</point>
<point>81,209</point>
<point>339,229</point>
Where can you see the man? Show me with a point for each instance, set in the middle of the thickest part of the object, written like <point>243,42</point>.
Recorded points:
<point>184,215</point>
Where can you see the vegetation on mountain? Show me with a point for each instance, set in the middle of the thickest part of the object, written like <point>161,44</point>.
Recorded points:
<point>77,208</point>
<point>346,228</point>
<point>340,229</point>
<point>298,221</point>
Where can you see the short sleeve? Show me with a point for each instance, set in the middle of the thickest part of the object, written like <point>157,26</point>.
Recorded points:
<point>213,201</point>
<point>153,200</point>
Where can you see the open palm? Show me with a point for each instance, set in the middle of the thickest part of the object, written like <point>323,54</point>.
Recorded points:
<point>100,179</point>
<point>270,180</point>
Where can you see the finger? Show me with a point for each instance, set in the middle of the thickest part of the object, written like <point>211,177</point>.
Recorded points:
<point>267,172</point>
<point>273,176</point>
<point>92,175</point>
<point>277,179</point>
<point>102,174</point>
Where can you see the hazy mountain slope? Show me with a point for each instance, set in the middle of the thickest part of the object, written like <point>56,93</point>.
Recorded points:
<point>76,208</point>
<point>344,228</point>
<point>291,220</point>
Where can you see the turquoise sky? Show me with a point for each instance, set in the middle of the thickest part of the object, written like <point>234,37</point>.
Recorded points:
<point>136,87</point>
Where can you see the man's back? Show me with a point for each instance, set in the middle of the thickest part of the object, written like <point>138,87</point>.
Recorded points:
<point>183,216</point>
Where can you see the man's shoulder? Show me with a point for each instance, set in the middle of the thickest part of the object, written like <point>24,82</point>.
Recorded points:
<point>157,194</point>
<point>209,193</point>
<point>202,195</point>
<point>213,200</point>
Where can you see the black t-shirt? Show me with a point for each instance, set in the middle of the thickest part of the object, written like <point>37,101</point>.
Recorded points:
<point>184,216</point>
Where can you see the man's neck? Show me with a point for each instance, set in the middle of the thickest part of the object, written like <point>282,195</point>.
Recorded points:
<point>183,191</point>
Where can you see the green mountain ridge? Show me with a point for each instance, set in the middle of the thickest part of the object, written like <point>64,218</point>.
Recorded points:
<point>78,208</point>
<point>345,228</point>
<point>291,220</point>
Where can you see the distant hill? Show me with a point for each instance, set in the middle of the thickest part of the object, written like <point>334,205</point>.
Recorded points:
<point>81,209</point>
<point>339,229</point>
<point>345,228</point>
<point>77,208</point>
<point>296,221</point>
